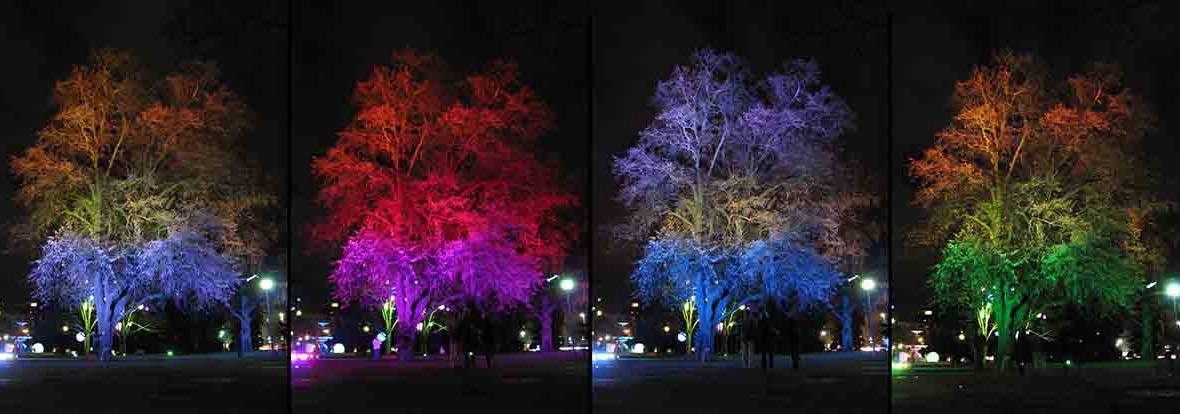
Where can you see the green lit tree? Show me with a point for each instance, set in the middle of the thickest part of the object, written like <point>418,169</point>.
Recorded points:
<point>1028,190</point>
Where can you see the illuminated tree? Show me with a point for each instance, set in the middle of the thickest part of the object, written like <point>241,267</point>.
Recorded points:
<point>86,317</point>
<point>729,162</point>
<point>427,174</point>
<point>1028,191</point>
<point>134,185</point>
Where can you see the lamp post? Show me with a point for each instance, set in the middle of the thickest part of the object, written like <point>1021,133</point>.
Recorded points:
<point>1173,292</point>
<point>868,285</point>
<point>567,286</point>
<point>267,284</point>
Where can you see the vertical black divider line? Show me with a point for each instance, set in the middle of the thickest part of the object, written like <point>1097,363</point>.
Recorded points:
<point>889,201</point>
<point>290,190</point>
<point>589,194</point>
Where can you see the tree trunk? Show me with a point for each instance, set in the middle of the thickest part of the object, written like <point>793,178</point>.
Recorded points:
<point>846,323</point>
<point>1147,347</point>
<point>244,341</point>
<point>547,331</point>
<point>704,332</point>
<point>1007,323</point>
<point>978,350</point>
<point>105,333</point>
<point>406,333</point>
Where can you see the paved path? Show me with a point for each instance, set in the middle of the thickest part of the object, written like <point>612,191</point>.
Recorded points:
<point>1105,389</point>
<point>517,383</point>
<point>825,383</point>
<point>197,384</point>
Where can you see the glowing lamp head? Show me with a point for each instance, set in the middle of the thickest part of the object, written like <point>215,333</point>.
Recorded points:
<point>1172,290</point>
<point>266,284</point>
<point>868,285</point>
<point>567,284</point>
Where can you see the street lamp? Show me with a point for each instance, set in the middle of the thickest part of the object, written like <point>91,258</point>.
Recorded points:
<point>567,285</point>
<point>267,284</point>
<point>1173,291</point>
<point>869,285</point>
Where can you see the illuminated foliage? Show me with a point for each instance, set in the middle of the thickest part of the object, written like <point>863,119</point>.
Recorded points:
<point>136,185</point>
<point>1028,191</point>
<point>434,193</point>
<point>730,162</point>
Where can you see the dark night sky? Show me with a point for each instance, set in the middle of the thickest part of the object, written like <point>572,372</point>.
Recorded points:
<point>935,47</point>
<point>337,44</point>
<point>42,40</point>
<point>637,48</point>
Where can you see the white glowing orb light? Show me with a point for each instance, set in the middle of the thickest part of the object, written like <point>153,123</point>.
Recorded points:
<point>380,337</point>
<point>932,357</point>
<point>80,337</point>
<point>38,348</point>
<point>638,348</point>
<point>338,348</point>
<point>681,337</point>
<point>604,356</point>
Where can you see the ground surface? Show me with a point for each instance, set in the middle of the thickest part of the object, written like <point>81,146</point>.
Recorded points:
<point>854,382</point>
<point>181,384</point>
<point>517,383</point>
<point>1101,388</point>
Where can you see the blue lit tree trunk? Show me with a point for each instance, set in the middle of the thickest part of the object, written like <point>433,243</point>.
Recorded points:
<point>846,324</point>
<point>244,314</point>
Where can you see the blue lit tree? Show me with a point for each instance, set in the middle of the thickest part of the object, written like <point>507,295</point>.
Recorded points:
<point>181,268</point>
<point>731,168</point>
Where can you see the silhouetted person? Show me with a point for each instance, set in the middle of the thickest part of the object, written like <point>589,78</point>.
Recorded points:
<point>748,335</point>
<point>489,340</point>
<point>1023,352</point>
<point>766,340</point>
<point>793,336</point>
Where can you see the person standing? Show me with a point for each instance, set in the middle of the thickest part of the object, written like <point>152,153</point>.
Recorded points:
<point>748,334</point>
<point>766,340</point>
<point>377,347</point>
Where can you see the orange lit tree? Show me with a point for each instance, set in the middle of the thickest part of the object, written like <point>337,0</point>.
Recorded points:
<point>1028,191</point>
<point>135,190</point>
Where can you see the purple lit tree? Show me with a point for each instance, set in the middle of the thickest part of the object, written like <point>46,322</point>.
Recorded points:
<point>382,273</point>
<point>726,163</point>
<point>181,268</point>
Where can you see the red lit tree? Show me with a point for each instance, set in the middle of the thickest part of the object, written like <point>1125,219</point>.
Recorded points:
<point>428,177</point>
